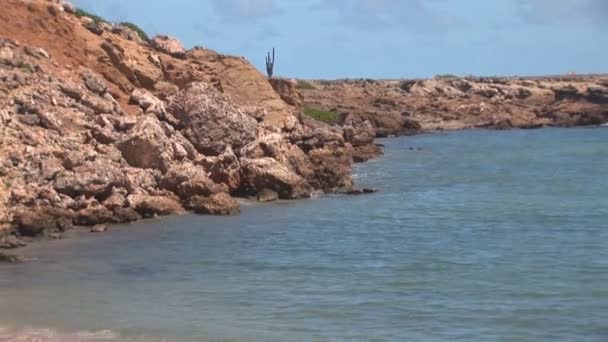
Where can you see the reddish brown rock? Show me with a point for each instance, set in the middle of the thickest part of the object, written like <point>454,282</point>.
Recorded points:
<point>218,204</point>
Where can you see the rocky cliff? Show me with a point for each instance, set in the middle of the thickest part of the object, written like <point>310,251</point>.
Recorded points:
<point>102,126</point>
<point>411,106</point>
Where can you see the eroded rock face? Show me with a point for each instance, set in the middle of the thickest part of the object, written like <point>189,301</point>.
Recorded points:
<point>212,122</point>
<point>288,90</point>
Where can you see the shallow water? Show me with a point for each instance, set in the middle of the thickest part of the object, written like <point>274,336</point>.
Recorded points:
<point>475,235</point>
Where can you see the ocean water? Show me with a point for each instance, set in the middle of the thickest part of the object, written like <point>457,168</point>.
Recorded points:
<point>474,236</point>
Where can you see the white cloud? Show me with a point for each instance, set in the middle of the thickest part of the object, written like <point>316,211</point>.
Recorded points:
<point>563,11</point>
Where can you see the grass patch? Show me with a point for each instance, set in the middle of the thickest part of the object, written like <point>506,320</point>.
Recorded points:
<point>305,85</point>
<point>97,19</point>
<point>321,115</point>
<point>141,33</point>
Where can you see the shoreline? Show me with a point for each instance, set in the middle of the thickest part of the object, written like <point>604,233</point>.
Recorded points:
<point>79,232</point>
<point>144,127</point>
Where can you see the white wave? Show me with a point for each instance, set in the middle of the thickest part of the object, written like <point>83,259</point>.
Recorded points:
<point>49,335</point>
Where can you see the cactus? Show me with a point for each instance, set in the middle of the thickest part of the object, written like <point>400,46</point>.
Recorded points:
<point>270,64</point>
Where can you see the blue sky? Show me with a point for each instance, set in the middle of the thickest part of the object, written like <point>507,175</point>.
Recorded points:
<point>385,38</point>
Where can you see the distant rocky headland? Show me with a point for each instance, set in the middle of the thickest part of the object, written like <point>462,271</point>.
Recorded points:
<point>101,124</point>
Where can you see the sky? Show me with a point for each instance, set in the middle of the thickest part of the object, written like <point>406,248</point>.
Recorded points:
<point>328,39</point>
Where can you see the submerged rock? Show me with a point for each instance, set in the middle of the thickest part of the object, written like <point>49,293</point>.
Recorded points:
<point>11,258</point>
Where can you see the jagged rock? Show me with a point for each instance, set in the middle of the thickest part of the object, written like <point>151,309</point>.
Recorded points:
<point>29,119</point>
<point>73,159</point>
<point>146,145</point>
<point>31,223</point>
<point>91,179</point>
<point>148,206</point>
<point>227,170</point>
<point>125,215</point>
<point>147,101</point>
<point>141,179</point>
<point>359,134</point>
<point>49,168</point>
<point>37,221</point>
<point>36,52</point>
<point>93,216</point>
<point>68,7</point>
<point>104,135</point>
<point>288,91</point>
<point>258,113</point>
<point>50,121</point>
<point>189,180</point>
<point>169,45</point>
<point>94,27</point>
<point>266,195</point>
<point>6,54</point>
<point>364,153</point>
<point>212,121</point>
<point>332,166</point>
<point>94,83</point>
<point>116,200</point>
<point>218,204</point>
<point>127,33</point>
<point>268,173</point>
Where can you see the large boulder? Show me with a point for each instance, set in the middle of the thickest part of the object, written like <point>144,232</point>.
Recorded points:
<point>147,145</point>
<point>333,166</point>
<point>92,179</point>
<point>275,145</point>
<point>226,169</point>
<point>149,206</point>
<point>218,204</point>
<point>189,180</point>
<point>42,221</point>
<point>212,121</point>
<point>268,173</point>
<point>169,45</point>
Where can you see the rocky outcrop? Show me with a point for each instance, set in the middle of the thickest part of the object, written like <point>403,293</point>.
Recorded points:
<point>412,106</point>
<point>99,126</point>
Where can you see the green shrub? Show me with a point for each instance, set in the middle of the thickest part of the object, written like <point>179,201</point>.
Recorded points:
<point>305,85</point>
<point>321,115</point>
<point>142,34</point>
<point>445,76</point>
<point>26,67</point>
<point>82,13</point>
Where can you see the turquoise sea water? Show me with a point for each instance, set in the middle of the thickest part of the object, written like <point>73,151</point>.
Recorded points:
<point>474,236</point>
